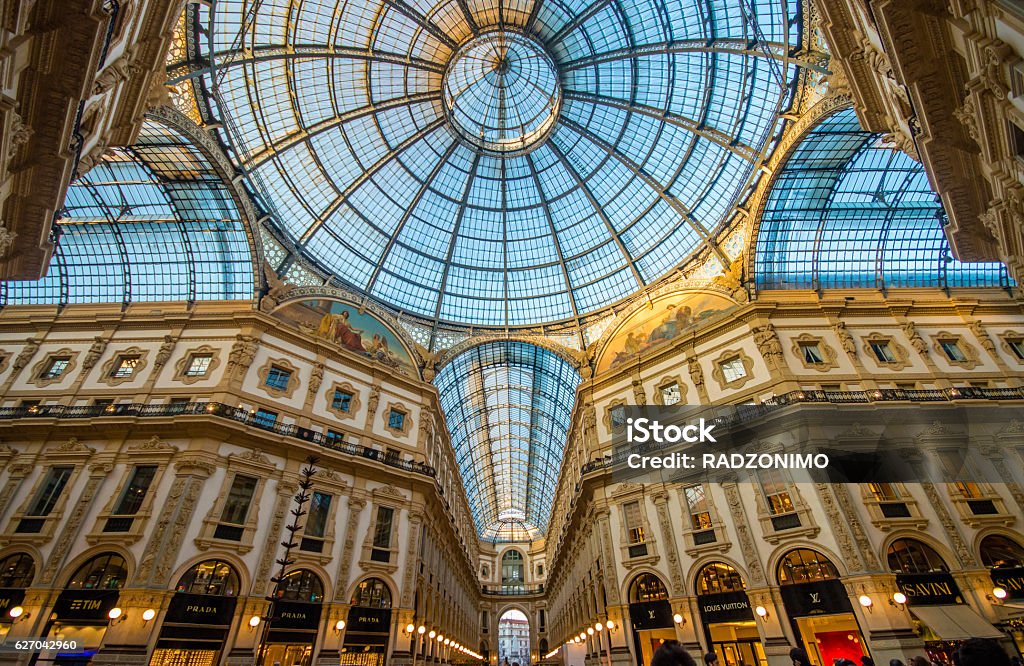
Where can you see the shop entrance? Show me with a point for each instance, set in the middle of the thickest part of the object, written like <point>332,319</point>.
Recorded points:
<point>199,616</point>
<point>368,626</point>
<point>1005,559</point>
<point>650,615</point>
<point>295,623</point>
<point>819,608</point>
<point>730,630</point>
<point>16,574</point>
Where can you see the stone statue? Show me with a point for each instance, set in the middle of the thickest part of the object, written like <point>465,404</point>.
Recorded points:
<point>276,289</point>
<point>30,349</point>
<point>164,353</point>
<point>767,341</point>
<point>915,338</point>
<point>696,374</point>
<point>638,393</point>
<point>983,337</point>
<point>846,340</point>
<point>242,354</point>
<point>316,377</point>
<point>94,353</point>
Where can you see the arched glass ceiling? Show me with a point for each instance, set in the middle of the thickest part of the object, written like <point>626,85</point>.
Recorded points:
<point>849,211</point>
<point>153,222</point>
<point>508,406</point>
<point>498,163</point>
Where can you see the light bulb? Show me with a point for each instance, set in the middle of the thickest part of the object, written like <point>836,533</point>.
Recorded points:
<point>16,612</point>
<point>421,630</point>
<point>761,611</point>
<point>677,618</point>
<point>899,598</point>
<point>598,627</point>
<point>254,621</point>
<point>114,613</point>
<point>148,614</point>
<point>339,625</point>
<point>609,625</point>
<point>409,628</point>
<point>590,631</point>
<point>999,593</point>
<point>865,601</point>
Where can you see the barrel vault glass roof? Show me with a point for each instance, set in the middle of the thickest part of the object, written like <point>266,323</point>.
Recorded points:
<point>849,211</point>
<point>504,162</point>
<point>153,222</point>
<point>508,407</point>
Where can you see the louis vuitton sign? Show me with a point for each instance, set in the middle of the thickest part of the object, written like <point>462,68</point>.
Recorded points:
<point>819,598</point>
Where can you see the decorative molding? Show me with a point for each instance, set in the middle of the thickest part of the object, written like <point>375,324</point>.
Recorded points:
<point>768,344</point>
<point>406,421</point>
<point>96,350</point>
<point>171,526</point>
<point>183,363</point>
<point>242,354</point>
<point>607,418</point>
<point>69,530</point>
<point>273,391</point>
<point>286,490</point>
<point>164,353</point>
<point>354,403</point>
<point>971,359</point>
<point>153,445</point>
<point>829,356</point>
<point>72,446</point>
<point>108,368</point>
<point>751,558</point>
<point>1008,337</point>
<point>684,389</point>
<point>729,354</point>
<point>899,352</point>
<point>36,379</point>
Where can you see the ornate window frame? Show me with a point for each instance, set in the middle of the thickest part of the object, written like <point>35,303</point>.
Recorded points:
<point>899,352</point>
<point>182,365</point>
<point>721,544</point>
<point>808,527</point>
<point>250,463</point>
<point>626,493</point>
<point>391,498</point>
<point>607,418</point>
<point>971,360</point>
<point>5,359</point>
<point>293,378</point>
<point>829,357</point>
<point>330,482</point>
<point>406,421</point>
<point>666,382</point>
<point>1006,338</point>
<point>885,524</point>
<point>719,375</point>
<point>108,368</point>
<point>353,404</point>
<point>37,378</point>
<point>155,451</point>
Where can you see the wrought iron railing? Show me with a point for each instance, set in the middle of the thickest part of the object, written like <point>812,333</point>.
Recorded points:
<point>512,590</point>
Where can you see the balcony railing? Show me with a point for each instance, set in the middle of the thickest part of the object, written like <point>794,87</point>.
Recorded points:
<point>218,410</point>
<point>512,590</point>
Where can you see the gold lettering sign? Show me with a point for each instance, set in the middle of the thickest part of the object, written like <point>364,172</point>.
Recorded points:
<point>86,604</point>
<point>203,610</point>
<point>1015,584</point>
<point>926,589</point>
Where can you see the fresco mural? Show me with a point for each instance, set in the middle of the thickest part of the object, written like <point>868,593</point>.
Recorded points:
<point>669,317</point>
<point>341,323</point>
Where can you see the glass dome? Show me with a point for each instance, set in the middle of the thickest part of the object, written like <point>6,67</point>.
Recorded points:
<point>498,164</point>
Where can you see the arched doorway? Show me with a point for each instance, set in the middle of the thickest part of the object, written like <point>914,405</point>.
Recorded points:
<point>650,615</point>
<point>819,608</point>
<point>199,616</point>
<point>368,626</point>
<point>1004,558</point>
<point>512,571</point>
<point>296,620</point>
<point>513,636</point>
<point>82,611</point>
<point>16,574</point>
<point>729,626</point>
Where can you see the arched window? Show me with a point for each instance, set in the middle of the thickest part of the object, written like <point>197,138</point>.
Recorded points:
<point>17,571</point>
<point>719,577</point>
<point>805,566</point>
<point>647,587</point>
<point>372,593</point>
<point>107,571</point>
<point>912,556</point>
<point>301,585</point>
<point>1002,552</point>
<point>512,569</point>
<point>213,577</point>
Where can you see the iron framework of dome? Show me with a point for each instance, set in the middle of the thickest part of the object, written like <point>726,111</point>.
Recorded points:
<point>503,164</point>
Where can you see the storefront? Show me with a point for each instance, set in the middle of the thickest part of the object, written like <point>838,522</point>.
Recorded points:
<point>819,608</point>
<point>368,626</point>
<point>1004,558</point>
<point>730,630</point>
<point>16,574</point>
<point>295,622</point>
<point>650,615</point>
<point>934,599</point>
<point>198,620</point>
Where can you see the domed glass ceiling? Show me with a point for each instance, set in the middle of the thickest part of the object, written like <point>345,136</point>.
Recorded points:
<point>498,163</point>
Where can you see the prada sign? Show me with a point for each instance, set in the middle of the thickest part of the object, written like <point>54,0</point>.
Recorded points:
<point>725,607</point>
<point>369,620</point>
<point>206,609</point>
<point>1011,580</point>
<point>296,615</point>
<point>88,605</point>
<point>9,598</point>
<point>824,597</point>
<point>650,615</point>
<point>929,589</point>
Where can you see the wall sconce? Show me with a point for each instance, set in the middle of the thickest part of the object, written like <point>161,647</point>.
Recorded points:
<point>410,628</point>
<point>440,638</point>
<point>899,600</point>
<point>609,625</point>
<point>117,616</point>
<point>997,596</point>
<point>340,624</point>
<point>254,622</point>
<point>431,635</point>
<point>148,615</point>
<point>598,626</point>
<point>762,612</point>
<point>18,614</point>
<point>590,631</point>
<point>679,619</point>
<point>866,603</point>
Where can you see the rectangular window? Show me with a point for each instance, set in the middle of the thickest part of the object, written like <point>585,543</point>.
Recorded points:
<point>342,401</point>
<point>316,523</point>
<point>634,522</point>
<point>396,419</point>
<point>382,531</point>
<point>952,350</point>
<point>617,416</point>
<point>776,492</point>
<point>884,492</point>
<point>812,353</point>
<point>670,394</point>
<point>265,418</point>
<point>198,365</point>
<point>50,490</point>
<point>733,369</point>
<point>55,367</point>
<point>278,378</point>
<point>334,437</point>
<point>236,507</point>
<point>1017,347</point>
<point>697,501</point>
<point>125,366</point>
<point>135,491</point>
<point>883,352</point>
